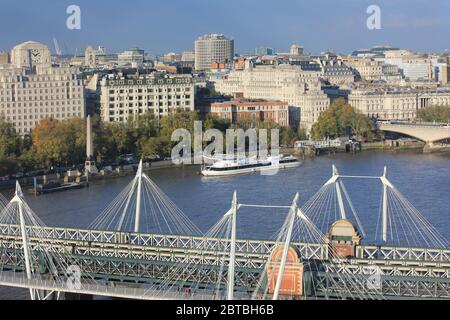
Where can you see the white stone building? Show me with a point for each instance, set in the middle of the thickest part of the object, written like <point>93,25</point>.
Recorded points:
<point>28,97</point>
<point>370,69</point>
<point>31,89</point>
<point>284,82</point>
<point>336,72</point>
<point>396,103</point>
<point>123,97</point>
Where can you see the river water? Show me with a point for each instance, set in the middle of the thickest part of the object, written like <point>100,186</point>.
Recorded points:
<point>423,179</point>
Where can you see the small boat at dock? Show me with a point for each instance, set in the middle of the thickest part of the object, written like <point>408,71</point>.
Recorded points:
<point>55,186</point>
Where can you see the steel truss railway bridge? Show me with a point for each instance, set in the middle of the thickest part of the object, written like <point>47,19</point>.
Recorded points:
<point>53,262</point>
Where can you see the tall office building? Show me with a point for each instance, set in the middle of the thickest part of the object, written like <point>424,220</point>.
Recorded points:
<point>213,48</point>
<point>28,97</point>
<point>31,89</point>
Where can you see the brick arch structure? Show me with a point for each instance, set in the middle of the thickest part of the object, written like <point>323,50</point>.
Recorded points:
<point>292,282</point>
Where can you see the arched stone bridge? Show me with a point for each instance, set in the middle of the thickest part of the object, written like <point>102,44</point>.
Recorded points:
<point>428,133</point>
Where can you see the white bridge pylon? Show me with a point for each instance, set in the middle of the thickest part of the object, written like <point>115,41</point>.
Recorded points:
<point>336,180</point>
<point>285,239</point>
<point>18,213</point>
<point>142,207</point>
<point>400,220</point>
<point>230,221</point>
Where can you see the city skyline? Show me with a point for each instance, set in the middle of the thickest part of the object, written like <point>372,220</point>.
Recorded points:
<point>201,150</point>
<point>255,24</point>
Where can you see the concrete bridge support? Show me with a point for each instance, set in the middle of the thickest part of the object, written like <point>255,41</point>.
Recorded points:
<point>430,134</point>
<point>431,147</point>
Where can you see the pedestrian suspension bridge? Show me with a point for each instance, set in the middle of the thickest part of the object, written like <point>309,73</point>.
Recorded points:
<point>142,246</point>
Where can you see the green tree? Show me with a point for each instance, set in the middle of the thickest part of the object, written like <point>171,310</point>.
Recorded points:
<point>302,133</point>
<point>10,142</point>
<point>145,125</point>
<point>341,119</point>
<point>288,136</point>
<point>105,145</point>
<point>434,113</point>
<point>8,166</point>
<point>179,119</point>
<point>154,147</point>
<point>212,121</point>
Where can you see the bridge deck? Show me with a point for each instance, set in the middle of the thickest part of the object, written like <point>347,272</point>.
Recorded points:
<point>116,256</point>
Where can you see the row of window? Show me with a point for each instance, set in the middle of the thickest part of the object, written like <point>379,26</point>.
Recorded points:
<point>38,111</point>
<point>40,91</point>
<point>40,98</point>
<point>123,91</point>
<point>40,104</point>
<point>150,98</point>
<point>150,104</point>
<point>123,117</point>
<point>26,126</point>
<point>32,84</point>
<point>41,116</point>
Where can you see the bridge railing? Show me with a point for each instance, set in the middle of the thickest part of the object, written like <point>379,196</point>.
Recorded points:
<point>329,284</point>
<point>403,253</point>
<point>100,238</point>
<point>97,288</point>
<point>141,242</point>
<point>416,124</point>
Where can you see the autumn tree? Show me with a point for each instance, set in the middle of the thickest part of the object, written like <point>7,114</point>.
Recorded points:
<point>60,142</point>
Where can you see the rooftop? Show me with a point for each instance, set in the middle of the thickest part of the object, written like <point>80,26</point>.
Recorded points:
<point>244,101</point>
<point>214,36</point>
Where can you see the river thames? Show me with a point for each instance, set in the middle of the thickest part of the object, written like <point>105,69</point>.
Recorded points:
<point>424,180</point>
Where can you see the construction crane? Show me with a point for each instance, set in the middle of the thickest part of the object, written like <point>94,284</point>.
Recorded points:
<point>57,48</point>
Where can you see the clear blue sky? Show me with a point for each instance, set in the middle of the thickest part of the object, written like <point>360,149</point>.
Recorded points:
<point>172,25</point>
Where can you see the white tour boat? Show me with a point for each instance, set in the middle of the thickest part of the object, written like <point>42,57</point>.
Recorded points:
<point>249,165</point>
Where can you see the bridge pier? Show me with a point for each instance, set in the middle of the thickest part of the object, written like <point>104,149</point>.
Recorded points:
<point>431,147</point>
<point>428,147</point>
<point>430,133</point>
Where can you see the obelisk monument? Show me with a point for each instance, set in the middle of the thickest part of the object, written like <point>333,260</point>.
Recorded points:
<point>90,161</point>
